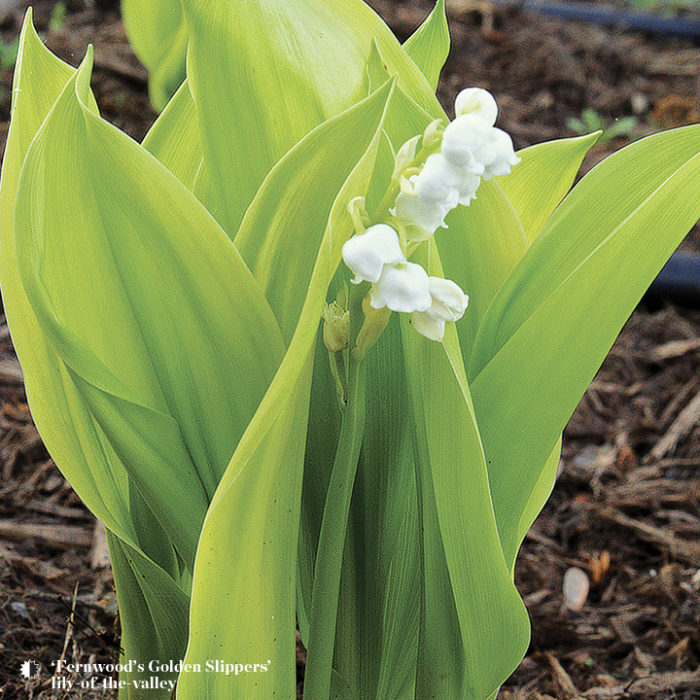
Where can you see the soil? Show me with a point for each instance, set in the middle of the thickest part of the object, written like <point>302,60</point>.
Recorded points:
<point>625,508</point>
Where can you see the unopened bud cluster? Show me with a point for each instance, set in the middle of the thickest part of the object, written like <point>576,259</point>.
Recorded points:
<point>471,149</point>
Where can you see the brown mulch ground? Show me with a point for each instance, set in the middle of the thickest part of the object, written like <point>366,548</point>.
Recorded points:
<point>625,508</point>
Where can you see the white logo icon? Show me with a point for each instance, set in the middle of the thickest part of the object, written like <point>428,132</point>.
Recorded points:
<point>29,669</point>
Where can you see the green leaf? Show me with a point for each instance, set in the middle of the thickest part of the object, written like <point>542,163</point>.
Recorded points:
<point>174,138</point>
<point>488,616</point>
<point>280,248</point>
<point>485,242</point>
<point>70,432</point>
<point>538,183</point>
<point>550,327</point>
<point>264,74</point>
<point>377,629</point>
<point>66,429</point>
<point>152,615</point>
<point>429,45</point>
<point>158,34</point>
<point>137,256</point>
<point>262,485</point>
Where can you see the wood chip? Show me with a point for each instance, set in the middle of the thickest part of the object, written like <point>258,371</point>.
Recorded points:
<point>674,349</point>
<point>647,686</point>
<point>99,553</point>
<point>563,679</point>
<point>686,551</point>
<point>687,418</point>
<point>11,372</point>
<point>57,536</point>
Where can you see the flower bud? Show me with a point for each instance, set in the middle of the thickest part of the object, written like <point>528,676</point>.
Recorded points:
<point>405,156</point>
<point>404,287</point>
<point>479,102</point>
<point>336,327</point>
<point>367,253</point>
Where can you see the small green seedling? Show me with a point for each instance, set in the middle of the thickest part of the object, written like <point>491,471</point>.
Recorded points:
<point>591,120</point>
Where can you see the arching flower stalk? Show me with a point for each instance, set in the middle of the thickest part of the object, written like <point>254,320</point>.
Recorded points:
<point>469,149</point>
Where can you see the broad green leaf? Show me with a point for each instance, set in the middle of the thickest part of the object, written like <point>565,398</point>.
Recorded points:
<point>264,73</point>
<point>263,480</point>
<point>174,138</point>
<point>379,604</point>
<point>158,34</point>
<point>137,256</point>
<point>152,616</point>
<point>552,323</point>
<point>539,495</point>
<point>491,620</point>
<point>295,229</point>
<point>541,180</point>
<point>483,243</point>
<point>454,491</point>
<point>429,45</point>
<point>71,434</point>
<point>284,226</point>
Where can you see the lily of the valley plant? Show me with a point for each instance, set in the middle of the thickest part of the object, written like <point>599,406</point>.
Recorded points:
<point>308,350</point>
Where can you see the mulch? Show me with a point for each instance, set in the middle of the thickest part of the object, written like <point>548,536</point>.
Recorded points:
<point>624,514</point>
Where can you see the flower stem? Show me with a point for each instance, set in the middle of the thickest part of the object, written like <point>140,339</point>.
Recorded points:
<point>331,542</point>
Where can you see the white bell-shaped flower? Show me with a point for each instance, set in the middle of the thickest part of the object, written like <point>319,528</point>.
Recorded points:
<point>448,303</point>
<point>423,214</point>
<point>367,253</point>
<point>437,180</point>
<point>468,186</point>
<point>403,287</point>
<point>479,102</point>
<point>426,325</point>
<point>440,181</point>
<point>464,141</point>
<point>499,155</point>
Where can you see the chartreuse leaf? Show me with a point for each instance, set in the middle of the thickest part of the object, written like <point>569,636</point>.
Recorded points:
<point>552,323</point>
<point>280,248</point>
<point>261,488</point>
<point>376,635</point>
<point>158,34</point>
<point>264,73</point>
<point>67,432</point>
<point>486,241</point>
<point>183,317</point>
<point>152,617</point>
<point>174,138</point>
<point>429,45</point>
<point>543,177</point>
<point>459,525</point>
<point>151,401</point>
<point>70,432</point>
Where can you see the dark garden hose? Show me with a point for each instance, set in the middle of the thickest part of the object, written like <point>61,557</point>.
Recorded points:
<point>610,16</point>
<point>678,281</point>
